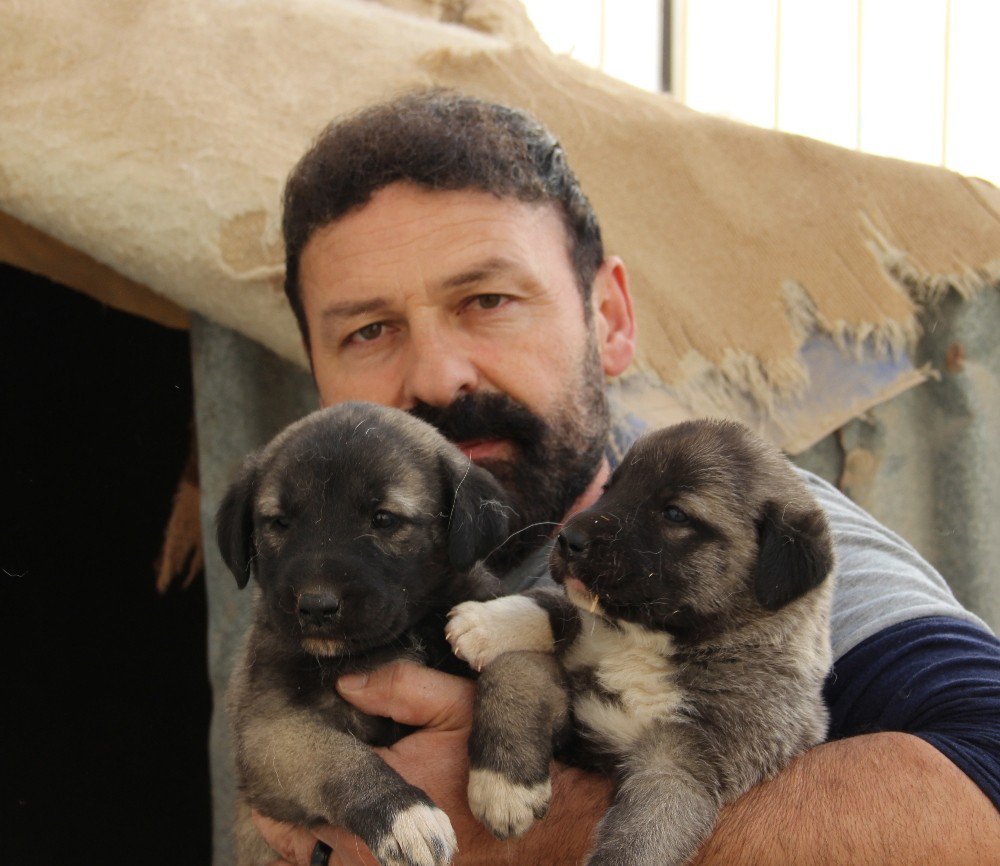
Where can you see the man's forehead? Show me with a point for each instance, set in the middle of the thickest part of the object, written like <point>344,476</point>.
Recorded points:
<point>403,220</point>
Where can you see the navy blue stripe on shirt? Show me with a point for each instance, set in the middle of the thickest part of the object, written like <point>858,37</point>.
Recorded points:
<point>937,678</point>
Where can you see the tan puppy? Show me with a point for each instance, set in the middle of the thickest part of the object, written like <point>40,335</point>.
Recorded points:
<point>362,527</point>
<point>687,654</point>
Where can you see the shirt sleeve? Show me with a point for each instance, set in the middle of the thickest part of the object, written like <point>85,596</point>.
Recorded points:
<point>881,580</point>
<point>937,678</point>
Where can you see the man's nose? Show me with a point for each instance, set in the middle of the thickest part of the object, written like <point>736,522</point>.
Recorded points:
<point>439,369</point>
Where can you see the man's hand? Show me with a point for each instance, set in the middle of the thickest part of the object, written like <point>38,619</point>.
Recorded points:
<point>435,759</point>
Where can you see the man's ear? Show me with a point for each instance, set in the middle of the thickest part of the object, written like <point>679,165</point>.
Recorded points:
<point>234,523</point>
<point>478,522</point>
<point>614,321</point>
<point>795,554</point>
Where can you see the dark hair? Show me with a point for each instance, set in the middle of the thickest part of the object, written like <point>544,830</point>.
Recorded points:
<point>441,140</point>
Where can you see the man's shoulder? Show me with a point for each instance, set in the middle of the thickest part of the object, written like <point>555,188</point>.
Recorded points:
<point>881,580</point>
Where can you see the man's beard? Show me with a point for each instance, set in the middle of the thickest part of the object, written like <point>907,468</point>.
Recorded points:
<point>554,458</point>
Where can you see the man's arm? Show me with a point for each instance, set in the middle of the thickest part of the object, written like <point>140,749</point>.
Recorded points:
<point>873,799</point>
<point>880,798</point>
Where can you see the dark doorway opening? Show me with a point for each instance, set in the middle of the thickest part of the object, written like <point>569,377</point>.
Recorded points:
<point>106,695</point>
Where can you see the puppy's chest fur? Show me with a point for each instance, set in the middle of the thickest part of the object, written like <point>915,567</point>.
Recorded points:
<point>298,679</point>
<point>623,680</point>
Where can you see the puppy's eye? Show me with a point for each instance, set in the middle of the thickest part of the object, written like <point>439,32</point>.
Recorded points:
<point>277,521</point>
<point>383,519</point>
<point>675,515</point>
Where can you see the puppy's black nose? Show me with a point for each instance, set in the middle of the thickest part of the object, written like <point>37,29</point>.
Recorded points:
<point>572,542</point>
<point>318,608</point>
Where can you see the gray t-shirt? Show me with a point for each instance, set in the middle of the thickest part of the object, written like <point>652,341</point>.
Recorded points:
<point>881,579</point>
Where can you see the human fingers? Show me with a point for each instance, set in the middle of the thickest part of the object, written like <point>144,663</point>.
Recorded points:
<point>435,756</point>
<point>293,843</point>
<point>321,846</point>
<point>412,695</point>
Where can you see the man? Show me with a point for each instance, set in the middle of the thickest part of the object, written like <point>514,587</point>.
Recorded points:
<point>441,258</point>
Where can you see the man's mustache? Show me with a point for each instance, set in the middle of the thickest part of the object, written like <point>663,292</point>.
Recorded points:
<point>484,416</point>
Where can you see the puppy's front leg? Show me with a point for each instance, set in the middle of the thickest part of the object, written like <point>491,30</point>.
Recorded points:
<point>665,805</point>
<point>532,622</point>
<point>296,768</point>
<point>521,704</point>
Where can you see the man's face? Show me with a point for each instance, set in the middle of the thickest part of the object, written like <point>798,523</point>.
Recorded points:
<point>464,309</point>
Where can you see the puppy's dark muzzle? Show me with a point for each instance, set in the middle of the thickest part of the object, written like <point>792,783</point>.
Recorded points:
<point>318,610</point>
<point>573,543</point>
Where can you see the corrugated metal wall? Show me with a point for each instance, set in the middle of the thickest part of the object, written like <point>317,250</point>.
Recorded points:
<point>925,462</point>
<point>243,395</point>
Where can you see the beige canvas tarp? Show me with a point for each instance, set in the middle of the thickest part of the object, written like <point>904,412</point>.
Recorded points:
<point>149,141</point>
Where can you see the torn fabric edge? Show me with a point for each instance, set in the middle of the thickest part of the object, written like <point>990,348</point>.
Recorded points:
<point>839,371</point>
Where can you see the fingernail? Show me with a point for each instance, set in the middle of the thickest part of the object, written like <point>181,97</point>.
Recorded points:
<point>352,682</point>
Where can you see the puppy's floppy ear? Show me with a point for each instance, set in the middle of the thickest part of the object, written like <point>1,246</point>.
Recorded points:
<point>795,554</point>
<point>234,523</point>
<point>477,524</point>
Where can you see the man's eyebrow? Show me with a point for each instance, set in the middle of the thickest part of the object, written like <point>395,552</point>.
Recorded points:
<point>479,272</point>
<point>475,274</point>
<point>348,309</point>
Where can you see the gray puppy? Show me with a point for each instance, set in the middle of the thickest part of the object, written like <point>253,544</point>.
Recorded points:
<point>686,656</point>
<point>363,526</point>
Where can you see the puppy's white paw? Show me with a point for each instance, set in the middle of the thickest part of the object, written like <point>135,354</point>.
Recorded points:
<point>419,836</point>
<point>504,807</point>
<point>479,631</point>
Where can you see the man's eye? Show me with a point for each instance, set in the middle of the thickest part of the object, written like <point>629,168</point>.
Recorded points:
<point>367,333</point>
<point>383,519</point>
<point>488,302</point>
